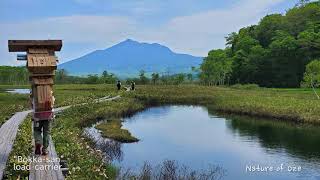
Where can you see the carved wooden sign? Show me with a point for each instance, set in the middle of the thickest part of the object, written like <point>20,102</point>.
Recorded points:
<point>42,61</point>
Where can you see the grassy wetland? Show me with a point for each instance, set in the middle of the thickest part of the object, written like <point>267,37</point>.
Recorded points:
<point>11,103</point>
<point>85,161</point>
<point>112,129</point>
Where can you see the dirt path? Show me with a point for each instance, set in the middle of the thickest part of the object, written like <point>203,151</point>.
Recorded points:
<point>8,133</point>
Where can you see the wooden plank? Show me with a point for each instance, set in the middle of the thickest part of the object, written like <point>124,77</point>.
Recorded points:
<point>8,133</point>
<point>42,81</point>
<point>46,174</point>
<point>49,174</point>
<point>24,45</point>
<point>38,51</point>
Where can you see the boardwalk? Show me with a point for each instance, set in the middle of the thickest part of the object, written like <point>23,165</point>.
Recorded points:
<point>48,168</point>
<point>8,132</point>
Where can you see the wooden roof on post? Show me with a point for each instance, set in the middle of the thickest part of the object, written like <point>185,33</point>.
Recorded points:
<point>24,45</point>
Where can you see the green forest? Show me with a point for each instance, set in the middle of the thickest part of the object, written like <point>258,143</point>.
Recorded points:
<point>13,75</point>
<point>273,53</point>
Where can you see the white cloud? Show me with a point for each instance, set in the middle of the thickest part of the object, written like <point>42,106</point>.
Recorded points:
<point>194,34</point>
<point>199,33</point>
<point>96,31</point>
<point>71,28</point>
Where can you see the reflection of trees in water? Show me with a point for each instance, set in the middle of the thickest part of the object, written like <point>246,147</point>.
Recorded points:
<point>298,140</point>
<point>111,149</point>
<point>169,169</point>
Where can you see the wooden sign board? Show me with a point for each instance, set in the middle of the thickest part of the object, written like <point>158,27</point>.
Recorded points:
<point>42,61</point>
<point>41,64</point>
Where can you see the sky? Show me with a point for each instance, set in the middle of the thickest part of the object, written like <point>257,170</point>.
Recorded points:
<point>185,26</point>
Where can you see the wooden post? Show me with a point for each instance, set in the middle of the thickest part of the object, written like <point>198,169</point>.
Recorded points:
<point>41,63</point>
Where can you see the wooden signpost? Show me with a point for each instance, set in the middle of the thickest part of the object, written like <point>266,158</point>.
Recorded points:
<point>41,63</point>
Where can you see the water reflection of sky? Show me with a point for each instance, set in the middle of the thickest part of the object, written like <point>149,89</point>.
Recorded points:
<point>195,138</point>
<point>19,91</point>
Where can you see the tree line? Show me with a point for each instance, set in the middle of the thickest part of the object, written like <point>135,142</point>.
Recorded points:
<point>63,77</point>
<point>155,78</point>
<point>13,75</point>
<point>273,53</point>
<point>10,75</point>
<point>20,76</point>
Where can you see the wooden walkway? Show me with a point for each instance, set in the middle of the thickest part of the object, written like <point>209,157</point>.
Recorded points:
<point>8,132</point>
<point>47,167</point>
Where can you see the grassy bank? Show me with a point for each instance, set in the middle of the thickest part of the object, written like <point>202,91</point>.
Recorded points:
<point>112,129</point>
<point>78,150</point>
<point>298,105</point>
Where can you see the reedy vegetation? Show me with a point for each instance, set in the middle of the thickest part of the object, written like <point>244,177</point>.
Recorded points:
<point>86,161</point>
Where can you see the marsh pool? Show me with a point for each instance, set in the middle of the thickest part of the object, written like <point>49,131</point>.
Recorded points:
<point>196,137</point>
<point>19,91</point>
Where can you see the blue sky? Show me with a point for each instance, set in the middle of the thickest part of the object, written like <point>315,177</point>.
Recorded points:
<point>185,26</point>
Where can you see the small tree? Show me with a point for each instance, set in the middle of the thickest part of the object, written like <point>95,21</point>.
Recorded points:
<point>190,77</point>
<point>312,75</point>
<point>179,78</point>
<point>155,77</point>
<point>61,75</point>
<point>105,74</point>
<point>143,78</point>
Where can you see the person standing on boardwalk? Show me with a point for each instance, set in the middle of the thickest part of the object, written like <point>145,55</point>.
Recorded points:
<point>133,84</point>
<point>41,128</point>
<point>118,85</point>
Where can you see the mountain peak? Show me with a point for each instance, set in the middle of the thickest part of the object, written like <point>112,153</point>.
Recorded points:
<point>128,57</point>
<point>128,41</point>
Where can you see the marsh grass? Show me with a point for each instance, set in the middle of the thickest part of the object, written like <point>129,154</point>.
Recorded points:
<point>11,103</point>
<point>172,170</point>
<point>113,129</point>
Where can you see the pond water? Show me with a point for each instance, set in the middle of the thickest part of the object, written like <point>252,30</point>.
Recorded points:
<point>195,137</point>
<point>19,91</point>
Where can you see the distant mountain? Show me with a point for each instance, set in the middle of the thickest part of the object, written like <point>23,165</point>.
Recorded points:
<point>127,58</point>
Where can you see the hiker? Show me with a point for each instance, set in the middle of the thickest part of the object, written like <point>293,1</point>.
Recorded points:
<point>41,127</point>
<point>119,85</point>
<point>132,85</point>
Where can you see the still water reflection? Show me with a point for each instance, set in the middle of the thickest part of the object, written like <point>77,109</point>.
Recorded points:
<point>19,91</point>
<point>194,137</point>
